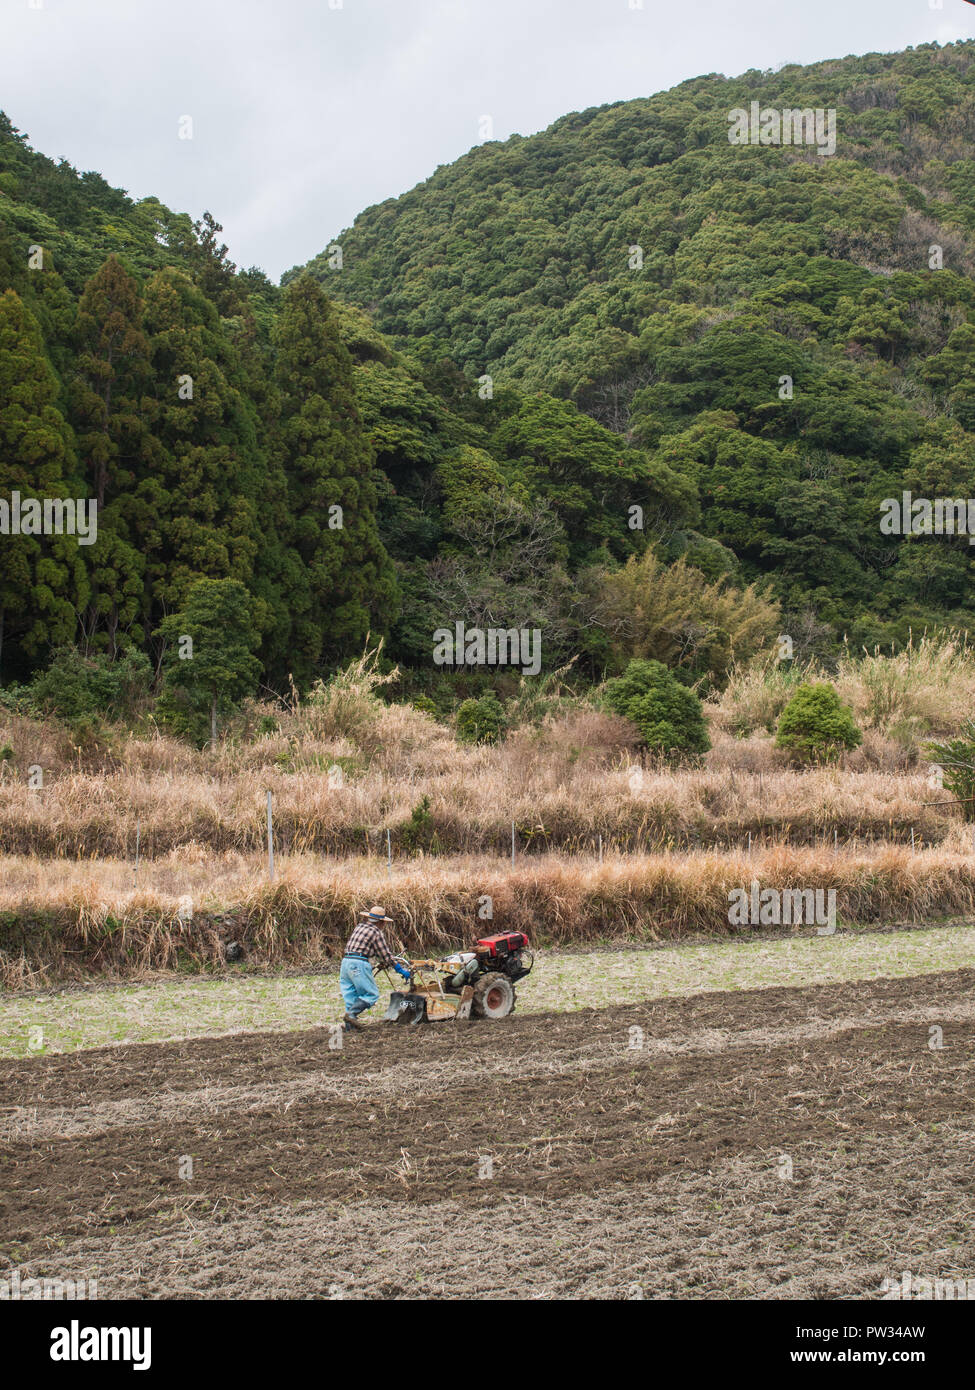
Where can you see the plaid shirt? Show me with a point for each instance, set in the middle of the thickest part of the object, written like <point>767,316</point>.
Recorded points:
<point>368,940</point>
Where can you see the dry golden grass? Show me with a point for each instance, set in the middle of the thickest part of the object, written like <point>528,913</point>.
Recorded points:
<point>344,769</point>
<point>471,806</point>
<point>78,920</point>
<point>564,785</point>
<point>897,699</point>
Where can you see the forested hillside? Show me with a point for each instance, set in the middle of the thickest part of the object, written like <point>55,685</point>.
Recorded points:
<point>522,260</point>
<point>621,381</point>
<point>211,418</point>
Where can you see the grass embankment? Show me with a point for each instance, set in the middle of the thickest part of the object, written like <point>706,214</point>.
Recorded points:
<point>74,921</point>
<point>465,804</point>
<point>344,769</point>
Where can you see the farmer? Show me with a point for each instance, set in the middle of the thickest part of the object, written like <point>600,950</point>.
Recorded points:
<point>356,980</point>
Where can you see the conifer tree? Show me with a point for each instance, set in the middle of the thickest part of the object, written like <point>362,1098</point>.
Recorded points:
<point>110,410</point>
<point>200,510</point>
<point>42,577</point>
<point>348,586</point>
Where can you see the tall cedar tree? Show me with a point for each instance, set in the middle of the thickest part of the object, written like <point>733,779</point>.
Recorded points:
<point>348,585</point>
<point>42,578</point>
<point>277,572</point>
<point>205,522</point>
<point>109,411</point>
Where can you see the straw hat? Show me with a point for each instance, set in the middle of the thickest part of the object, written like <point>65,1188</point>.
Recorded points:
<point>376,914</point>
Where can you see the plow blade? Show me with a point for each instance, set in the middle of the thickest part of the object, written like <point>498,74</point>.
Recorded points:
<point>406,1008</point>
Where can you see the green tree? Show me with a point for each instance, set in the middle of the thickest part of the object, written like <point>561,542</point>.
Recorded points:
<point>212,270</point>
<point>42,577</point>
<point>199,515</point>
<point>669,716</point>
<point>673,614</point>
<point>119,456</point>
<point>815,725</point>
<point>588,476</point>
<point>209,673</point>
<point>349,586</point>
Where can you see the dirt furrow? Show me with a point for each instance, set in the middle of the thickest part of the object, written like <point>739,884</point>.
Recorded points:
<point>557,1134</point>
<point>81,1079</point>
<point>44,1122</point>
<point>842,1222</point>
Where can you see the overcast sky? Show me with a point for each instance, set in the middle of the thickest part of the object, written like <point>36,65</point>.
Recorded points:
<point>307,111</point>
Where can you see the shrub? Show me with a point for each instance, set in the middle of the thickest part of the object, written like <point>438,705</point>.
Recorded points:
<point>668,715</point>
<point>957,761</point>
<point>480,721</point>
<point>210,676</point>
<point>18,699</point>
<point>758,692</point>
<point>346,705</point>
<point>815,725</point>
<point>76,687</point>
<point>418,832</point>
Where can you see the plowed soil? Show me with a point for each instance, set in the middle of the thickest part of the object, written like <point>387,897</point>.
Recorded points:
<point>784,1142</point>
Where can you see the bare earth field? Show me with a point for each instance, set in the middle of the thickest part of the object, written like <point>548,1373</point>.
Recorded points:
<point>787,1141</point>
